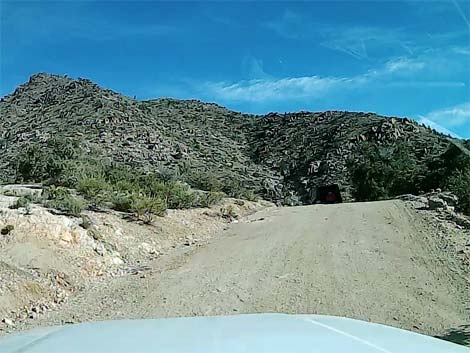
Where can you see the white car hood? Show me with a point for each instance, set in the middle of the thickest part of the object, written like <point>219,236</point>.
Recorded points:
<point>273,333</point>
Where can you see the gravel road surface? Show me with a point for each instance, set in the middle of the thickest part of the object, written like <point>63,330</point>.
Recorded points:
<point>372,261</point>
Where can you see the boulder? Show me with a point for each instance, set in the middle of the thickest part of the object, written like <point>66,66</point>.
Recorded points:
<point>21,190</point>
<point>7,321</point>
<point>419,202</point>
<point>436,203</point>
<point>462,221</point>
<point>449,198</point>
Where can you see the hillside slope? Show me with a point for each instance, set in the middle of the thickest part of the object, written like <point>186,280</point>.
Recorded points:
<point>147,135</point>
<point>282,157</point>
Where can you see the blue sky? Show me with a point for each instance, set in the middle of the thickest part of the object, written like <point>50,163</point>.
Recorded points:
<point>404,58</point>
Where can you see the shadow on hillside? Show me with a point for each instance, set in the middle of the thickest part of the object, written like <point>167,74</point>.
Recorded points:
<point>459,335</point>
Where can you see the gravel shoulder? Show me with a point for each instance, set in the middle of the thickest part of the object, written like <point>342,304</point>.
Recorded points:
<point>375,261</point>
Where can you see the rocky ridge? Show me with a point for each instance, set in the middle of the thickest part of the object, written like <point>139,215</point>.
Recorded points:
<point>283,157</point>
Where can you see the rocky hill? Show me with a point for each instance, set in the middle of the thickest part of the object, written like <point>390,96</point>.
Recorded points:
<point>282,157</point>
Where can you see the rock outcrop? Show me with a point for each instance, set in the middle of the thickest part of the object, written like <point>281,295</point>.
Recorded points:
<point>283,157</point>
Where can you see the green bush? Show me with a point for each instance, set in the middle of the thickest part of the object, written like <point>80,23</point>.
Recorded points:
<point>234,188</point>
<point>61,164</point>
<point>38,163</point>
<point>384,172</point>
<point>180,196</point>
<point>203,180</point>
<point>115,173</point>
<point>122,202</point>
<point>249,195</point>
<point>126,186</point>
<point>95,189</point>
<point>167,175</point>
<point>34,164</point>
<point>209,198</point>
<point>70,205</point>
<point>61,199</point>
<point>146,207</point>
<point>20,203</point>
<point>459,184</point>
<point>81,168</point>
<point>175,194</point>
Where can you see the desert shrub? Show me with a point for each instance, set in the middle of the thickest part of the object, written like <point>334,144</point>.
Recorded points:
<point>146,207</point>
<point>54,192</point>
<point>175,194</point>
<point>34,164</point>
<point>150,185</point>
<point>229,212</point>
<point>60,163</point>
<point>95,189</point>
<point>61,199</point>
<point>114,173</point>
<point>451,171</point>
<point>122,202</point>
<point>459,184</point>
<point>20,203</point>
<point>126,186</point>
<point>78,169</point>
<point>38,163</point>
<point>207,199</point>
<point>167,175</point>
<point>70,205</point>
<point>180,196</point>
<point>384,172</point>
<point>367,183</point>
<point>203,180</point>
<point>249,195</point>
<point>234,188</point>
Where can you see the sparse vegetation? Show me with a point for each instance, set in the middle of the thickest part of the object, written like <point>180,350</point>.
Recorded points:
<point>21,202</point>
<point>102,183</point>
<point>203,180</point>
<point>146,208</point>
<point>95,189</point>
<point>209,198</point>
<point>229,212</point>
<point>383,173</point>
<point>61,199</point>
<point>234,188</point>
<point>39,163</point>
<point>168,149</point>
<point>122,202</point>
<point>459,183</point>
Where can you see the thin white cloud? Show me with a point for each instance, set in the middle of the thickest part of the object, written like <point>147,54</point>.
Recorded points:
<point>461,50</point>
<point>462,14</point>
<point>291,26</point>
<point>395,72</point>
<point>275,89</point>
<point>404,64</point>
<point>252,68</point>
<point>351,40</point>
<point>452,117</point>
<point>355,41</point>
<point>358,41</point>
<point>437,127</point>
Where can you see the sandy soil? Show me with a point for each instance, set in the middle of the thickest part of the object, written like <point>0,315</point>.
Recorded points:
<point>372,261</point>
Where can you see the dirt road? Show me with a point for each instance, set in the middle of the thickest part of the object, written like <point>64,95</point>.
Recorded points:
<point>371,261</point>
